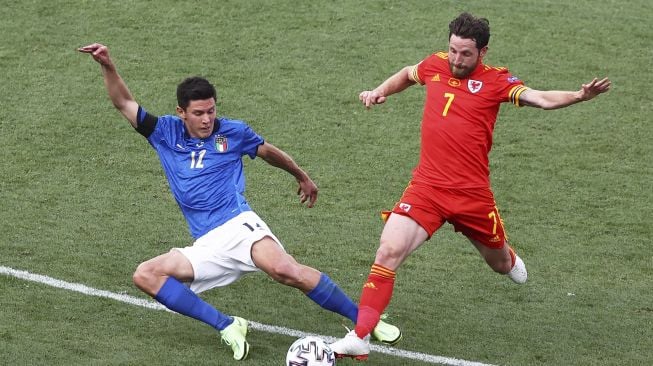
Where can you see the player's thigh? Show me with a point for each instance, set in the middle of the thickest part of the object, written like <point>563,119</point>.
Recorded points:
<point>400,237</point>
<point>267,254</point>
<point>265,251</point>
<point>172,264</point>
<point>270,257</point>
<point>224,254</point>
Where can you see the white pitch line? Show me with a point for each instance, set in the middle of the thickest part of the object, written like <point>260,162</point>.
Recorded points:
<point>78,287</point>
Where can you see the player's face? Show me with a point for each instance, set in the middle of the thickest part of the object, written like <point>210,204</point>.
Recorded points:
<point>199,117</point>
<point>464,56</point>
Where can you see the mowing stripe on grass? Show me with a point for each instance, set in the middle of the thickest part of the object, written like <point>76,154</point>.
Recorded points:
<point>78,287</point>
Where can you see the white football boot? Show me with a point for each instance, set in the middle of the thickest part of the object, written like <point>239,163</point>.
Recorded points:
<point>518,272</point>
<point>352,346</point>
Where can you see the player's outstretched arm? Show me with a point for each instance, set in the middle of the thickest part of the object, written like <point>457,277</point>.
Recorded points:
<point>274,156</point>
<point>120,95</point>
<point>394,84</point>
<point>553,99</point>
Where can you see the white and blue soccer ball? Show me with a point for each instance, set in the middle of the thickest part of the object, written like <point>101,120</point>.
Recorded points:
<point>310,351</point>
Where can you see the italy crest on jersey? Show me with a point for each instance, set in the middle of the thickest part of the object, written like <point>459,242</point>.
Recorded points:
<point>221,143</point>
<point>474,85</point>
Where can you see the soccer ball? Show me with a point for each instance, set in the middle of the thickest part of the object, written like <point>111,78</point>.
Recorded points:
<point>310,351</point>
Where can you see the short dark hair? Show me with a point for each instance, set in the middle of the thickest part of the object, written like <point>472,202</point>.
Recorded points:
<point>470,27</point>
<point>194,88</point>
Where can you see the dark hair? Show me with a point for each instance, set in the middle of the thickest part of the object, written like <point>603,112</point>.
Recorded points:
<point>471,27</point>
<point>194,88</point>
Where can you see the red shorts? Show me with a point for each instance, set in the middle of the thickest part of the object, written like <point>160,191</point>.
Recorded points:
<point>471,211</point>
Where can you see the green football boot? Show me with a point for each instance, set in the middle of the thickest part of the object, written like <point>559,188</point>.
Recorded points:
<point>386,333</point>
<point>234,336</point>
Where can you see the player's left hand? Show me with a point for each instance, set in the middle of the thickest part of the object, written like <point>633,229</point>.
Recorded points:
<point>594,88</point>
<point>307,192</point>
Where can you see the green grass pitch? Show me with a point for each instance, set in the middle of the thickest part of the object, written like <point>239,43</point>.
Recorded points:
<point>83,198</point>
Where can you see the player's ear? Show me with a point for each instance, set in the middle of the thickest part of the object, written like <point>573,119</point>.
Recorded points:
<point>482,52</point>
<point>181,112</point>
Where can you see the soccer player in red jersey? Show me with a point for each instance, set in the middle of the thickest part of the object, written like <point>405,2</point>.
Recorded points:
<point>451,181</point>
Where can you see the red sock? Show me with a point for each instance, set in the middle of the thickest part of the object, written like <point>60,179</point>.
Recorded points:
<point>375,297</point>
<point>513,256</point>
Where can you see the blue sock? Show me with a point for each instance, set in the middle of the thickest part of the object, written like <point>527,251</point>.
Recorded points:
<point>179,298</point>
<point>329,296</point>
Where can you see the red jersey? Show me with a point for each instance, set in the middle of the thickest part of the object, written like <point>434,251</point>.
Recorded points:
<point>458,121</point>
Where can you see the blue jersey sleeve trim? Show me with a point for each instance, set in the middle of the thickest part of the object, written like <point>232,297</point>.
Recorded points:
<point>145,122</point>
<point>255,154</point>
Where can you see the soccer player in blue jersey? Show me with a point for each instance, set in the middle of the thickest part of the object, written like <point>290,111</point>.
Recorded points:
<point>201,156</point>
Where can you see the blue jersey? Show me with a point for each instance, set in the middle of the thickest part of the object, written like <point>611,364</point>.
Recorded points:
<point>205,175</point>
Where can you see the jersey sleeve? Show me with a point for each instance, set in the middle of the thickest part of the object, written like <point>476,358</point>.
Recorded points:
<point>251,141</point>
<point>511,86</point>
<point>515,93</point>
<point>415,74</point>
<point>145,122</point>
<point>428,67</point>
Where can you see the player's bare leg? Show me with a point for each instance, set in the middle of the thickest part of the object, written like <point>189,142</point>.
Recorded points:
<point>163,278</point>
<point>283,268</point>
<point>504,261</point>
<point>150,275</point>
<point>401,236</point>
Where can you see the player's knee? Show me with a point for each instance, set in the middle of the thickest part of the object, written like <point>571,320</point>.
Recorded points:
<point>143,275</point>
<point>388,253</point>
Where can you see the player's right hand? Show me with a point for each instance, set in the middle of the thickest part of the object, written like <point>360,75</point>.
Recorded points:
<point>99,52</point>
<point>371,97</point>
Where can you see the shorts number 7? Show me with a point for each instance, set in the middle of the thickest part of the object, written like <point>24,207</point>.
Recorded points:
<point>493,216</point>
